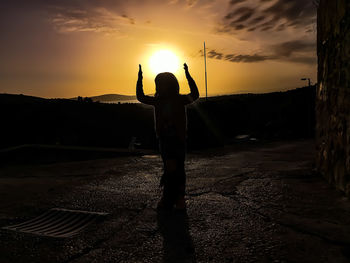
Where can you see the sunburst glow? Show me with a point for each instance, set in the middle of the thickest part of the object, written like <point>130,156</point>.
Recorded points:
<point>164,61</point>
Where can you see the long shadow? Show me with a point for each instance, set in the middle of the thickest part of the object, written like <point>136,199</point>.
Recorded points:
<point>177,241</point>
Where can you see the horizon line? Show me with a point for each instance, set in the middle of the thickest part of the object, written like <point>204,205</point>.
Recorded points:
<point>127,95</point>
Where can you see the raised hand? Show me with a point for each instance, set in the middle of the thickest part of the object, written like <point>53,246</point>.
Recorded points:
<point>193,87</point>
<point>185,67</point>
<point>140,72</point>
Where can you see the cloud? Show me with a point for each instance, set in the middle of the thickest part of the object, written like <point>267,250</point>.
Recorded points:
<point>88,19</point>
<point>191,3</point>
<point>288,48</point>
<point>296,12</point>
<point>80,16</point>
<point>129,19</point>
<point>83,21</point>
<point>234,2</point>
<point>311,60</point>
<point>296,51</point>
<point>236,58</point>
<point>246,58</point>
<point>269,15</point>
<point>239,13</point>
<point>214,54</point>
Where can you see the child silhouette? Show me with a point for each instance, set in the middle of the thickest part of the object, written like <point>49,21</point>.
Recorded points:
<point>171,127</point>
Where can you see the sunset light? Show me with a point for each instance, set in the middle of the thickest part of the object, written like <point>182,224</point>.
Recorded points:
<point>164,61</point>
<point>65,49</point>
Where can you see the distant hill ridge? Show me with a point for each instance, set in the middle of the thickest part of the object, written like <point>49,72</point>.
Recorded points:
<point>111,97</point>
<point>20,98</point>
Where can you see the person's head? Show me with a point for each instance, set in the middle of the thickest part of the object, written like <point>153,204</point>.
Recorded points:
<point>166,85</point>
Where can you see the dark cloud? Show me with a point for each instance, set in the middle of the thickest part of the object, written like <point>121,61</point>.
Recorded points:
<point>256,20</point>
<point>236,58</point>
<point>239,27</point>
<point>131,20</point>
<point>214,54</point>
<point>241,15</point>
<point>281,27</point>
<point>311,60</point>
<point>282,14</point>
<point>237,13</point>
<point>191,2</point>
<point>246,58</point>
<point>298,12</point>
<point>244,17</point>
<point>234,2</point>
<point>296,51</point>
<point>289,48</point>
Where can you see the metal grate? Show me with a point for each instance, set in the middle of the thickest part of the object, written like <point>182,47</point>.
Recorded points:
<point>58,222</point>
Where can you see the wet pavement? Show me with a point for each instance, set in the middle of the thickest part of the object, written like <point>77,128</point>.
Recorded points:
<point>245,203</point>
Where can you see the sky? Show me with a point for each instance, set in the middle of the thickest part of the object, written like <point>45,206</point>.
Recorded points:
<point>69,48</point>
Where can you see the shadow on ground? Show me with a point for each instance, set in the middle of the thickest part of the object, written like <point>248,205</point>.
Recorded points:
<point>177,241</point>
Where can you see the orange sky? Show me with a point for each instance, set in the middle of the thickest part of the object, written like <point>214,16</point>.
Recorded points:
<point>66,48</point>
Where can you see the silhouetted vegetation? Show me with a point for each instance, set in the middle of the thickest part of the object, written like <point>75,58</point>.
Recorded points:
<point>109,98</point>
<point>279,115</point>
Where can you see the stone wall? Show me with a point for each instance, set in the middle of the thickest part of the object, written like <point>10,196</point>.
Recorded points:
<point>333,93</point>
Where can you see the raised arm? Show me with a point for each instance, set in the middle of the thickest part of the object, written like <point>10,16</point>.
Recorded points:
<point>194,94</point>
<point>140,95</point>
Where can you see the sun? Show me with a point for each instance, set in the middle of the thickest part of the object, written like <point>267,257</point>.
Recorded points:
<point>164,61</point>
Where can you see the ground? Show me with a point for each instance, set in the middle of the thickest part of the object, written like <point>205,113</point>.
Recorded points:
<point>245,203</point>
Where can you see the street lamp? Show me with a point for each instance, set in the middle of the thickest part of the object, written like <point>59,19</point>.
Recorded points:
<point>308,80</point>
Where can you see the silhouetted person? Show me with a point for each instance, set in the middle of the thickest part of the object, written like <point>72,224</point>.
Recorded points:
<point>171,126</point>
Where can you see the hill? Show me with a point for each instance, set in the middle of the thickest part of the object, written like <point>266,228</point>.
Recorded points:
<point>6,98</point>
<point>111,98</point>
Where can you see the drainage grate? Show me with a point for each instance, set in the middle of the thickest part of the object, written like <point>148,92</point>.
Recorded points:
<point>58,222</point>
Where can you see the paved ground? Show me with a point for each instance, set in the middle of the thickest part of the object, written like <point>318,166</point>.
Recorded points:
<point>245,204</point>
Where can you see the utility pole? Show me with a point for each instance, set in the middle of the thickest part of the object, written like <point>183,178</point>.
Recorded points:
<point>205,68</point>
<point>308,79</point>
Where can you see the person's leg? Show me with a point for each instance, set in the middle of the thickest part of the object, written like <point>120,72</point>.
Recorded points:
<point>174,177</point>
<point>162,149</point>
<point>168,182</point>
<point>166,146</point>
<point>180,185</point>
<point>180,177</point>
